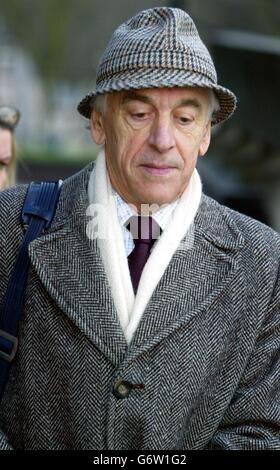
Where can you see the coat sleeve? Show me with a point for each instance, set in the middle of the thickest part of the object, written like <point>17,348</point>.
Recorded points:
<point>252,420</point>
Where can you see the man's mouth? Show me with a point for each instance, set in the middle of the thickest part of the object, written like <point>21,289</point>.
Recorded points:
<point>158,169</point>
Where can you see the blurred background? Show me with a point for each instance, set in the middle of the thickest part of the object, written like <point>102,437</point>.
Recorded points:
<point>49,52</point>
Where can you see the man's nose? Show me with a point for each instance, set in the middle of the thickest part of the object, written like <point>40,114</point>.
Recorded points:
<point>162,135</point>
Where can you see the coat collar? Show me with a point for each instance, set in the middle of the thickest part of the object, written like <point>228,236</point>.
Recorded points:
<point>70,268</point>
<point>196,277</point>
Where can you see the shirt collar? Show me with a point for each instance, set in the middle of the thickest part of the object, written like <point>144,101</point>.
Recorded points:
<point>162,216</point>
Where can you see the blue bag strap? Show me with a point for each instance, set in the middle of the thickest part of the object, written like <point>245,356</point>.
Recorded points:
<point>37,214</point>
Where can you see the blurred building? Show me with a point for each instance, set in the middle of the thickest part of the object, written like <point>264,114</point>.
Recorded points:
<point>49,120</point>
<point>242,168</point>
<point>21,87</point>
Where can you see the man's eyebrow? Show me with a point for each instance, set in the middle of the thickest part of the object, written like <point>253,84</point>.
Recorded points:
<point>189,102</point>
<point>132,96</point>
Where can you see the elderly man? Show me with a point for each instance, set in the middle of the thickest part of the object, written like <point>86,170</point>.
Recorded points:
<point>152,332</point>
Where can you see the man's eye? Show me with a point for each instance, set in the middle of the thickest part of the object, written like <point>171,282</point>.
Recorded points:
<point>2,166</point>
<point>184,120</point>
<point>139,115</point>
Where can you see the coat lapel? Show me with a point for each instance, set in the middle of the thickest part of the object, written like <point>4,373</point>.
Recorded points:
<point>195,278</point>
<point>71,270</point>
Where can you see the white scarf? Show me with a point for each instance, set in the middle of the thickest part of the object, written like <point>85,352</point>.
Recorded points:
<point>130,307</point>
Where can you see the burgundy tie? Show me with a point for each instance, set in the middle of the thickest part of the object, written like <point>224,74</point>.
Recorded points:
<point>145,231</point>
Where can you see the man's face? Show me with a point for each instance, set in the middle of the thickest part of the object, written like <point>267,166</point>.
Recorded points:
<point>152,140</point>
<point>5,155</point>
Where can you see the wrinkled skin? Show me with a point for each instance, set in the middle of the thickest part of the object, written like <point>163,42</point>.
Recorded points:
<point>152,140</point>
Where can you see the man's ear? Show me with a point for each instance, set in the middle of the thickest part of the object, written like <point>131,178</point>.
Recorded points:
<point>205,140</point>
<point>97,128</point>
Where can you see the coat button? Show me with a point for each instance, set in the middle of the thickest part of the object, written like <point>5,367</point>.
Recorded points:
<point>122,389</point>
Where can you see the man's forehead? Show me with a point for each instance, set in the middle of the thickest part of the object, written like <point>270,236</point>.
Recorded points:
<point>179,95</point>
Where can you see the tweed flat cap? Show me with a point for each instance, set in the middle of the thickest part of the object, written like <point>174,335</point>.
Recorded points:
<point>159,47</point>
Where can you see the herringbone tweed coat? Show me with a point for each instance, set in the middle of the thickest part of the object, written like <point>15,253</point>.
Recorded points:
<point>206,348</point>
